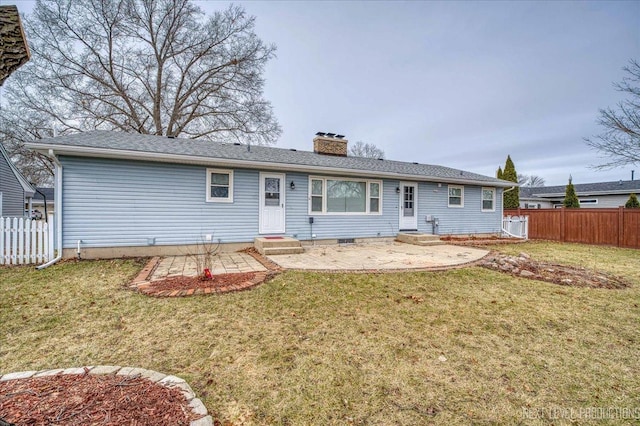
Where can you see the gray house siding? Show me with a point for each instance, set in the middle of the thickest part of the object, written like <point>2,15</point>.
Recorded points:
<point>110,203</point>
<point>12,202</point>
<point>603,201</point>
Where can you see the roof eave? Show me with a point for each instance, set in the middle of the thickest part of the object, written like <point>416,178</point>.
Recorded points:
<point>589,193</point>
<point>250,164</point>
<point>29,190</point>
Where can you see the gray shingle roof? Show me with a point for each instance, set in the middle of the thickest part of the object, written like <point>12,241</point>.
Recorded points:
<point>48,192</point>
<point>620,186</point>
<point>207,150</point>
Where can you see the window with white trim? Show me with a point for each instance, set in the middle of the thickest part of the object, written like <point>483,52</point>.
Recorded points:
<point>488,199</point>
<point>588,201</point>
<point>328,195</point>
<point>374,197</point>
<point>219,186</point>
<point>317,197</point>
<point>456,196</point>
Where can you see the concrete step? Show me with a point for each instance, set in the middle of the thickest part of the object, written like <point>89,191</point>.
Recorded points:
<point>277,245</point>
<point>419,239</point>
<point>268,251</point>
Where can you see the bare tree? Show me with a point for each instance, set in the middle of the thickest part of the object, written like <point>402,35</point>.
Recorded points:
<point>17,127</point>
<point>620,140</point>
<point>367,150</point>
<point>531,180</point>
<point>147,66</point>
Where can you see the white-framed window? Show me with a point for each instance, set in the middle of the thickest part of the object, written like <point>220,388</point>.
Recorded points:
<point>587,201</point>
<point>317,196</point>
<point>344,196</point>
<point>488,199</point>
<point>219,186</point>
<point>456,196</point>
<point>374,197</point>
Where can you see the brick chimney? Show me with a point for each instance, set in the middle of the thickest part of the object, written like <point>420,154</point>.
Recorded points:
<point>330,144</point>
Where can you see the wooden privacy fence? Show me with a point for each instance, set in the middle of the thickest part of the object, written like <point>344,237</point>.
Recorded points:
<point>24,241</point>
<point>616,226</point>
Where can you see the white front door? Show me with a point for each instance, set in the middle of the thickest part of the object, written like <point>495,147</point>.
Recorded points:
<point>272,207</point>
<point>408,206</point>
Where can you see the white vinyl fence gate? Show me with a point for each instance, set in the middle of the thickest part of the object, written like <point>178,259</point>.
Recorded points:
<point>24,241</point>
<point>516,226</point>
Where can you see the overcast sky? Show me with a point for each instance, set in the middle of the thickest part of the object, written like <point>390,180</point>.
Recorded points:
<point>460,84</point>
<point>456,84</point>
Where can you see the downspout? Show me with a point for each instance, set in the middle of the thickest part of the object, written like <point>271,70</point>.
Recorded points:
<point>44,197</point>
<point>57,202</point>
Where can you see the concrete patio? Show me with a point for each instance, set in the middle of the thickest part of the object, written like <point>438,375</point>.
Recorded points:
<point>379,256</point>
<point>353,257</point>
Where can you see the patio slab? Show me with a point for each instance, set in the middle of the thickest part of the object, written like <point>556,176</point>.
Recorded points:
<point>379,256</point>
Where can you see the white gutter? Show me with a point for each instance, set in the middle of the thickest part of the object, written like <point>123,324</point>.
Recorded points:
<point>57,207</point>
<point>224,162</point>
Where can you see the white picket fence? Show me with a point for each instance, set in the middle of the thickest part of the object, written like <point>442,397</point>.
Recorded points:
<point>516,226</point>
<point>24,241</point>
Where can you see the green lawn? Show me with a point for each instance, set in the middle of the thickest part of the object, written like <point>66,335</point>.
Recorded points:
<point>313,348</point>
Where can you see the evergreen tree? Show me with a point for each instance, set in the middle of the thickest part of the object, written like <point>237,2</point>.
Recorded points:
<point>511,198</point>
<point>632,202</point>
<point>570,198</point>
<point>499,173</point>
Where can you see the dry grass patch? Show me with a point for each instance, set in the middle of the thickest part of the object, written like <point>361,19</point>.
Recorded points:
<point>463,346</point>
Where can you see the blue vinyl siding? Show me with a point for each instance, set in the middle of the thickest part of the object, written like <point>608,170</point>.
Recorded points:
<point>124,203</point>
<point>336,225</point>
<point>109,203</point>
<point>470,219</point>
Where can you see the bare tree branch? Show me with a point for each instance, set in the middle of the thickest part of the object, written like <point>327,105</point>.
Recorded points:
<point>367,150</point>
<point>146,66</point>
<point>620,140</point>
<point>531,180</point>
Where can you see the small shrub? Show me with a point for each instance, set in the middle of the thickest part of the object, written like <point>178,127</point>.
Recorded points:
<point>632,202</point>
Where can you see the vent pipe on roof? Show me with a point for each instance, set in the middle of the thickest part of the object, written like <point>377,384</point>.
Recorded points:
<point>632,172</point>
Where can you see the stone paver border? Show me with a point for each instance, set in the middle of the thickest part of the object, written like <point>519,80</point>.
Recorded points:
<point>147,288</point>
<point>162,379</point>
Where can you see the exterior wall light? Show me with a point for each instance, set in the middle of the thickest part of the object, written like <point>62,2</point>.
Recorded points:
<point>292,185</point>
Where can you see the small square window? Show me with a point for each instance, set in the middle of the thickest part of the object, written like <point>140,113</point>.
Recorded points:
<point>488,199</point>
<point>219,186</point>
<point>456,196</point>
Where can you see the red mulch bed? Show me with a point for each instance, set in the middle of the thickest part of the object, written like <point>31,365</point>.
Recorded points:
<point>187,283</point>
<point>83,399</point>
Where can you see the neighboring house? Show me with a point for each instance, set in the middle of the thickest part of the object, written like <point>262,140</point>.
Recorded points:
<point>15,190</point>
<point>592,195</point>
<point>39,200</point>
<point>133,194</point>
